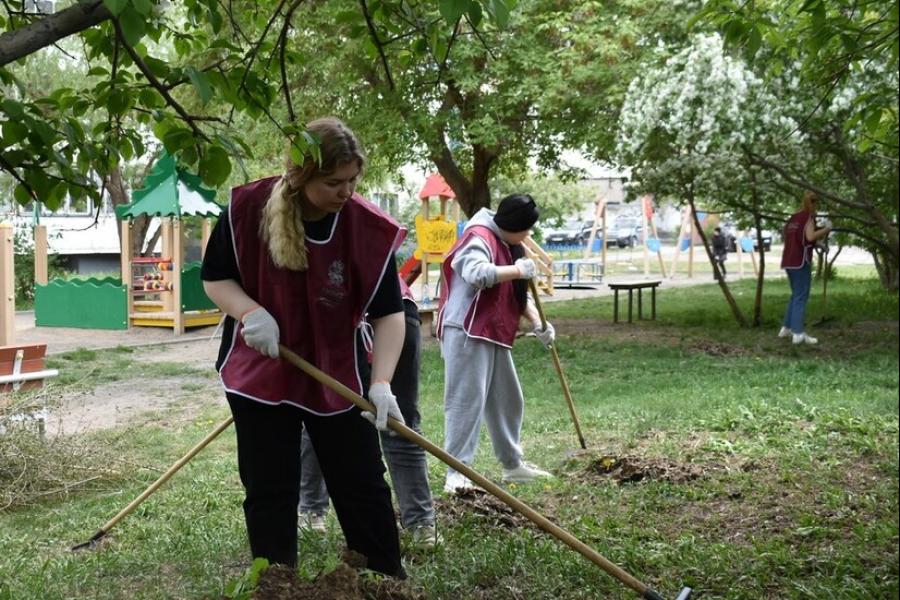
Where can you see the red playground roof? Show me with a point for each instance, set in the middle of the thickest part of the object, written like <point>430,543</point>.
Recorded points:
<point>436,186</point>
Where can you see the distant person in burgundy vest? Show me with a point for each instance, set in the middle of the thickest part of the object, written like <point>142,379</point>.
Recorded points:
<point>300,259</point>
<point>482,300</point>
<point>800,236</point>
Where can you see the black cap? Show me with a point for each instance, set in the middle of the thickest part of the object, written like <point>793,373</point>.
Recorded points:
<point>516,212</point>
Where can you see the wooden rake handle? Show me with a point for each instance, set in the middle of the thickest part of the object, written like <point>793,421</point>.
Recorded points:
<point>559,371</point>
<point>520,507</point>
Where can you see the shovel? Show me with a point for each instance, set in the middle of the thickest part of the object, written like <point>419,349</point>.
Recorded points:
<point>532,515</point>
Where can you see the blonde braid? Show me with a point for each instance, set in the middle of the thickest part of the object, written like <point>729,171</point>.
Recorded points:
<point>282,227</point>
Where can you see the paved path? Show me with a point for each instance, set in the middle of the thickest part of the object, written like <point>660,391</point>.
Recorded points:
<point>64,339</point>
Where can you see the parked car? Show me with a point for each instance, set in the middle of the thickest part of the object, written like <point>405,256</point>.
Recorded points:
<point>731,231</point>
<point>571,233</point>
<point>626,232</point>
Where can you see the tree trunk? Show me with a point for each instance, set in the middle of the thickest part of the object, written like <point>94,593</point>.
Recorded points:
<point>757,300</point>
<point>888,271</point>
<point>471,195</point>
<point>118,194</point>
<point>735,309</point>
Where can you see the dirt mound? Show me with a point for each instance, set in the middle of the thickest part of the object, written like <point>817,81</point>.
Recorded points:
<point>480,503</point>
<point>344,583</point>
<point>632,469</point>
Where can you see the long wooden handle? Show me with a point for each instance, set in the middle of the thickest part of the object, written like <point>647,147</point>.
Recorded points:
<point>562,377</point>
<point>156,484</point>
<point>532,515</point>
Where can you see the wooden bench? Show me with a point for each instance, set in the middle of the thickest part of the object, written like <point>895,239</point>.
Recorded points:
<point>630,287</point>
<point>22,367</point>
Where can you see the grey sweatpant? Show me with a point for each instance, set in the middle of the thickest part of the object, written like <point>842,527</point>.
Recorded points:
<point>480,382</point>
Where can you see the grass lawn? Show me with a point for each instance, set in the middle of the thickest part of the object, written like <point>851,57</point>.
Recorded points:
<point>723,459</point>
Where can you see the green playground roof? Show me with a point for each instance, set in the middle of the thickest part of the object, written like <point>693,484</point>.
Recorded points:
<point>170,191</point>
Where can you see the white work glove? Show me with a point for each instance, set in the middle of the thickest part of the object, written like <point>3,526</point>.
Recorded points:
<point>260,331</point>
<point>547,335</point>
<point>526,268</point>
<point>385,402</point>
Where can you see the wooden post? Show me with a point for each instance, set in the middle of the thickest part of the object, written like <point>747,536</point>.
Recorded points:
<point>166,252</point>
<point>598,211</point>
<point>40,255</point>
<point>177,263</point>
<point>691,244</point>
<point>678,238</point>
<point>603,243</point>
<point>753,260</point>
<point>205,231</point>
<point>645,230</point>
<point>662,264</point>
<point>7,286</point>
<point>125,260</point>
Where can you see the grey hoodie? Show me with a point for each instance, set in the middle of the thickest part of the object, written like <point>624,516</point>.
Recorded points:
<point>473,268</point>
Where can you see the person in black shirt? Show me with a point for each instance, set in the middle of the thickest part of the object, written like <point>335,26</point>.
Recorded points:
<point>300,260</point>
<point>720,249</point>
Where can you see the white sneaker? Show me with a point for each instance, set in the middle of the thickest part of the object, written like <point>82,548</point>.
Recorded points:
<point>802,338</point>
<point>523,473</point>
<point>425,537</point>
<point>457,482</point>
<point>784,332</point>
<point>311,522</point>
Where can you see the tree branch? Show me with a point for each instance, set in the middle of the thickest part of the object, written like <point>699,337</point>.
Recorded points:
<point>374,35</point>
<point>26,40</point>
<point>151,78</point>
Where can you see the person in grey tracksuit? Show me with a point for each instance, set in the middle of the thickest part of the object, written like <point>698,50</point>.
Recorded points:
<point>483,298</point>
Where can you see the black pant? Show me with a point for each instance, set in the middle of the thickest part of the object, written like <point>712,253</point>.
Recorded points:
<point>350,457</point>
<point>721,258</point>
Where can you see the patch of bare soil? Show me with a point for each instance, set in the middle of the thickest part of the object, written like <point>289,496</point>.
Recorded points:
<point>134,401</point>
<point>481,504</point>
<point>715,348</point>
<point>344,583</point>
<point>633,469</point>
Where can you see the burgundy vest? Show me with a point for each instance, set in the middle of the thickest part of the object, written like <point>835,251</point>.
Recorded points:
<point>494,312</point>
<point>317,310</point>
<point>797,250</point>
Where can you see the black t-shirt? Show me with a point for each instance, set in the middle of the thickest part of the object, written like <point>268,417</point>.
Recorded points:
<point>220,262</point>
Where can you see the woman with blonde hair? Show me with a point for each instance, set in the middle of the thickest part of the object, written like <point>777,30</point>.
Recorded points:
<point>800,236</point>
<point>300,259</point>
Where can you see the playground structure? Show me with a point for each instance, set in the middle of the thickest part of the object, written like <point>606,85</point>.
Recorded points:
<point>684,241</point>
<point>154,291</point>
<point>435,236</point>
<point>588,271</point>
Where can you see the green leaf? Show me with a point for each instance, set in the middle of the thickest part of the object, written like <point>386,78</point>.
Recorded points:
<point>215,166</point>
<point>452,10</point>
<point>754,40</point>
<point>475,13</point>
<point>133,25</point>
<point>177,139</point>
<point>348,16</point>
<point>144,7</point>
<point>22,195</point>
<point>734,31</point>
<point>201,84</point>
<point>13,132</point>
<point>118,102</point>
<point>500,12</point>
<point>215,19</point>
<point>115,6</point>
